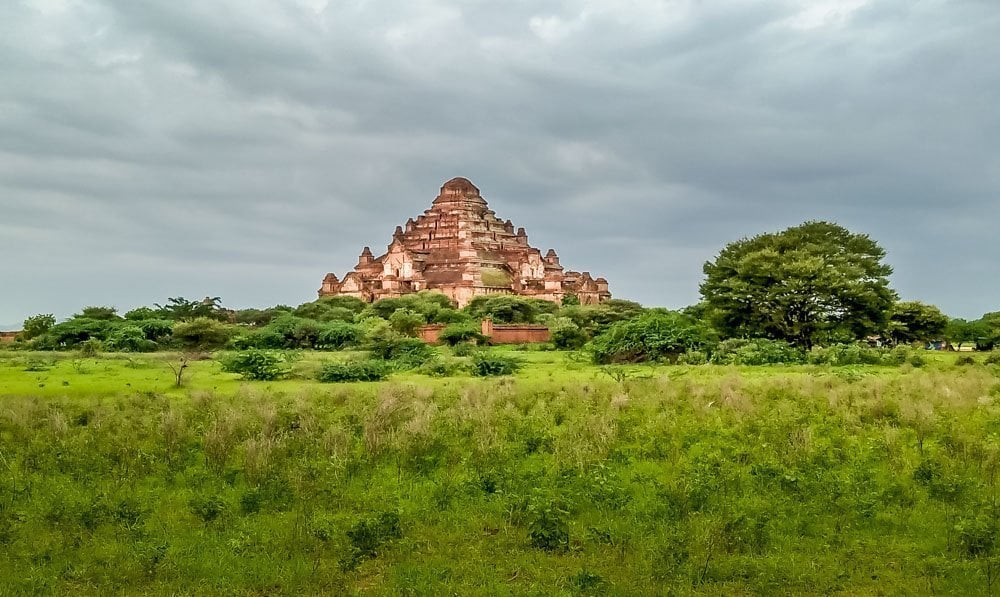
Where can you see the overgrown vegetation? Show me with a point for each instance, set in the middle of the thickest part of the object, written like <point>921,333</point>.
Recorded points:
<point>687,479</point>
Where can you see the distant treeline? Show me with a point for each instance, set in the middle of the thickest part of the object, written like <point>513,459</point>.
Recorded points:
<point>786,293</point>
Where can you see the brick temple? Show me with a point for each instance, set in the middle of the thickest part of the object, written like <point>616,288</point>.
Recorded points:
<point>460,248</point>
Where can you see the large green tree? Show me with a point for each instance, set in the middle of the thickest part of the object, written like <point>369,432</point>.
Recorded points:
<point>913,321</point>
<point>810,282</point>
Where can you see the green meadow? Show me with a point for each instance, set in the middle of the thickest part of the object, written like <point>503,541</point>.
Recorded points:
<point>564,479</point>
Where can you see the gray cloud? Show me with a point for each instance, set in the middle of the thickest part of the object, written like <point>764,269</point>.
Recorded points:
<point>245,148</point>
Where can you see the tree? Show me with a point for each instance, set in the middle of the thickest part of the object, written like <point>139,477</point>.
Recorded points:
<point>960,331</point>
<point>98,313</point>
<point>201,334</point>
<point>986,331</point>
<point>407,322</point>
<point>913,321</point>
<point>37,325</point>
<point>504,308</point>
<point>813,280</point>
<point>181,309</point>
<point>142,313</point>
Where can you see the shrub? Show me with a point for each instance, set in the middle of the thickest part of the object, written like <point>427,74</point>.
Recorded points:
<point>442,367</point>
<point>367,370</point>
<point>548,529</point>
<point>485,364</point>
<point>257,365</point>
<point>758,351</point>
<point>406,322</point>
<point>90,348</point>
<point>129,338</point>
<point>464,349</point>
<point>368,536</point>
<point>264,338</point>
<point>202,333</point>
<point>388,345</point>
<point>567,335</point>
<point>339,335</point>
<point>654,336</point>
<point>851,354</point>
<point>965,360</point>
<point>458,333</point>
<point>693,357</point>
<point>993,358</point>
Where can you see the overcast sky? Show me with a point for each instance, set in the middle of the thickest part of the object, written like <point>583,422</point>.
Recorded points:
<point>244,148</point>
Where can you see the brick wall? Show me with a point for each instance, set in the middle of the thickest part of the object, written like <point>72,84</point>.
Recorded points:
<point>498,334</point>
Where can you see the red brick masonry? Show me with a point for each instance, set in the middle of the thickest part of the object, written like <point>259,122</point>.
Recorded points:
<point>8,337</point>
<point>498,334</point>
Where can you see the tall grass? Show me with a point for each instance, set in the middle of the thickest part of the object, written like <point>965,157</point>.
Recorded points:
<point>695,480</point>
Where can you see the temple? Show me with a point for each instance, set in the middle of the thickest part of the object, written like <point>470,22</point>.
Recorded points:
<point>460,248</point>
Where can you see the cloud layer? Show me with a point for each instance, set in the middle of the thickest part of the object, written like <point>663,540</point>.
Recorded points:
<point>244,148</point>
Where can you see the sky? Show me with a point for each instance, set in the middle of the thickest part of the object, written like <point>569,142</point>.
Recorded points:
<point>245,148</point>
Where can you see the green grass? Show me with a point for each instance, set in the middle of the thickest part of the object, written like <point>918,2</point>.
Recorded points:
<point>563,479</point>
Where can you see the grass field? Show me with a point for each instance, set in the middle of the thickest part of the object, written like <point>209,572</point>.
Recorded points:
<point>559,480</point>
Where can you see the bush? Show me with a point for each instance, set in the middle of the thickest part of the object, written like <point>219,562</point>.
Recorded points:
<point>993,358</point>
<point>130,338</point>
<point>388,345</point>
<point>264,338</point>
<point>654,336</point>
<point>257,365</point>
<point>91,347</point>
<point>202,333</point>
<point>464,349</point>
<point>965,360</point>
<point>442,367</point>
<point>368,536</point>
<point>567,335</point>
<point>367,370</point>
<point>458,333</point>
<point>406,322</point>
<point>485,364</point>
<point>339,335</point>
<point>548,529</point>
<point>852,354</point>
<point>759,351</point>
<point>693,357</point>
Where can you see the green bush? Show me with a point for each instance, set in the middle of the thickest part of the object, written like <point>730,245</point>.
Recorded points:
<point>129,338</point>
<point>758,351</point>
<point>256,365</point>
<point>852,354</point>
<point>367,370</point>
<point>263,338</point>
<point>388,345</point>
<point>458,333</point>
<point>339,335</point>
<point>464,349</point>
<point>442,367</point>
<point>202,333</point>
<point>548,528</point>
<point>993,358</point>
<point>964,360</point>
<point>485,364</point>
<point>567,335</point>
<point>693,357</point>
<point>650,337</point>
<point>91,347</point>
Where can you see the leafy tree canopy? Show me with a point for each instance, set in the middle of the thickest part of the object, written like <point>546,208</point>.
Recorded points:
<point>37,325</point>
<point>807,282</point>
<point>98,313</point>
<point>913,321</point>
